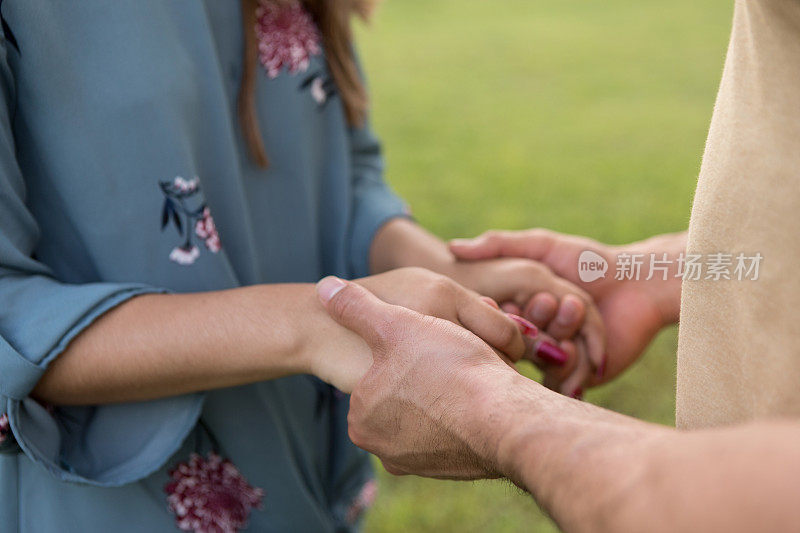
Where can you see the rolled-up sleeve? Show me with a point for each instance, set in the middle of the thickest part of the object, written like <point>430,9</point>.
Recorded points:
<point>39,317</point>
<point>374,202</point>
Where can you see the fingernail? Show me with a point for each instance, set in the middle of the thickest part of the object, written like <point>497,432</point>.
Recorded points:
<point>551,353</point>
<point>460,242</point>
<point>528,329</point>
<point>577,393</point>
<point>601,370</point>
<point>328,287</point>
<point>490,301</point>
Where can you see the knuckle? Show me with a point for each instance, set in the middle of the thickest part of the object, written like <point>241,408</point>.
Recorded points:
<point>539,233</point>
<point>385,331</point>
<point>507,335</point>
<point>534,270</point>
<point>434,291</point>
<point>345,304</point>
<point>542,269</point>
<point>391,468</point>
<point>354,430</point>
<point>355,435</point>
<point>493,235</point>
<point>442,285</point>
<point>417,272</point>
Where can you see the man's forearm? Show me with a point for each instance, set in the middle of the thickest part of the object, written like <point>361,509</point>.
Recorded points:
<point>595,470</point>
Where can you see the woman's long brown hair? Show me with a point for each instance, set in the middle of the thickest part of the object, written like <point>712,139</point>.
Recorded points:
<point>333,20</point>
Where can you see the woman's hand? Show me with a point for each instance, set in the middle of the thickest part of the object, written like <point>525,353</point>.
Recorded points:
<point>341,358</point>
<point>633,310</point>
<point>566,312</point>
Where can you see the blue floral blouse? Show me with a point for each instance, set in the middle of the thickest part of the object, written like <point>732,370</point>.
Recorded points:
<point>123,172</point>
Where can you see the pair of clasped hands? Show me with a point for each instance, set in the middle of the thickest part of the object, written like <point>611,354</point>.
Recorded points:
<point>435,391</point>
<point>503,288</point>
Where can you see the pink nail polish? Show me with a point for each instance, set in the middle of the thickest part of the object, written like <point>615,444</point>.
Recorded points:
<point>528,329</point>
<point>551,353</point>
<point>577,394</point>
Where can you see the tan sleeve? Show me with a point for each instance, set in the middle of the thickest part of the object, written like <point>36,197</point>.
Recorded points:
<point>739,345</point>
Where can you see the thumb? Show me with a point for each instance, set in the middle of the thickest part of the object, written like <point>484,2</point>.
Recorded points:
<point>357,309</point>
<point>533,244</point>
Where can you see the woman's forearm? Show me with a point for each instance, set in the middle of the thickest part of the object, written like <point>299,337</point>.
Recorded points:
<point>594,470</point>
<point>163,345</point>
<point>403,243</point>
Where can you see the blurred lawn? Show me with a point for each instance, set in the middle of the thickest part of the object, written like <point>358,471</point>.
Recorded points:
<point>582,116</point>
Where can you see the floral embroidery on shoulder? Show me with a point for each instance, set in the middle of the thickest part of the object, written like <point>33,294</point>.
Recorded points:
<point>210,495</point>
<point>184,208</point>
<point>287,36</point>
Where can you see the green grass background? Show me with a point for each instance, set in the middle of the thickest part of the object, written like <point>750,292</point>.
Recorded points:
<point>578,115</point>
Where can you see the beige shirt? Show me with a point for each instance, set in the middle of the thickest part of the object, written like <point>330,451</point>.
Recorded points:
<point>739,345</point>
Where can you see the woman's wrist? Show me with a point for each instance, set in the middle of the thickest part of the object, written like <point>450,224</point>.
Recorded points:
<point>325,349</point>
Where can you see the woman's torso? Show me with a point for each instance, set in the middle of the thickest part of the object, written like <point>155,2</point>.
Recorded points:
<point>114,102</point>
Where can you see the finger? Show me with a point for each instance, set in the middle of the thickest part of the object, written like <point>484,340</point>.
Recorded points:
<point>573,385</point>
<point>569,317</point>
<point>541,309</point>
<point>491,325</point>
<point>526,327</point>
<point>555,375</point>
<point>593,328</point>
<point>593,334</point>
<point>548,354</point>
<point>533,244</point>
<point>357,309</point>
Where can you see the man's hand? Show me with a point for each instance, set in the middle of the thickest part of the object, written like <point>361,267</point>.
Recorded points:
<point>413,408</point>
<point>438,402</point>
<point>633,311</point>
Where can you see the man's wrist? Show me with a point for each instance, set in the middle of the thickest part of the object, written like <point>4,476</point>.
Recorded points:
<point>505,409</point>
<point>664,293</point>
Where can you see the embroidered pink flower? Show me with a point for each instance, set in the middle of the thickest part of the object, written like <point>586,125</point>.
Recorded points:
<point>207,230</point>
<point>184,255</point>
<point>185,186</point>
<point>286,36</point>
<point>210,495</point>
<point>5,428</point>
<point>362,502</point>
